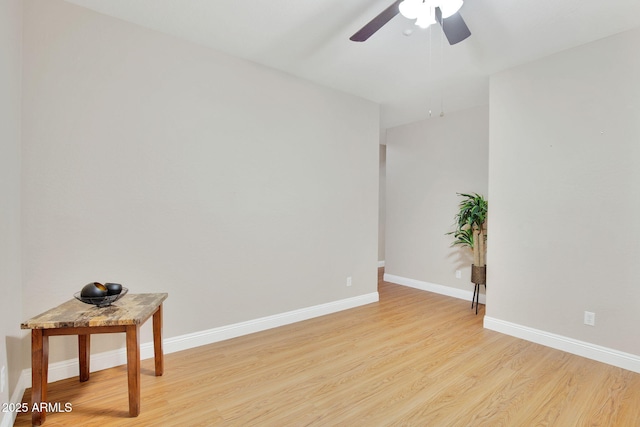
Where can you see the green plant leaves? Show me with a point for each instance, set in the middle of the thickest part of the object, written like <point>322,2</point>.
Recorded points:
<point>471,216</point>
<point>463,237</point>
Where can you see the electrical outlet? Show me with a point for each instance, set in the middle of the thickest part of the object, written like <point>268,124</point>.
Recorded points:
<point>349,281</point>
<point>3,378</point>
<point>589,318</point>
<point>458,274</point>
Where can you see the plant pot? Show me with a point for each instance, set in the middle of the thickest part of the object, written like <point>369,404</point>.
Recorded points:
<point>479,274</point>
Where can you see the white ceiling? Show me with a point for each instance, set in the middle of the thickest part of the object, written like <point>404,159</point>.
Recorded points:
<point>407,75</point>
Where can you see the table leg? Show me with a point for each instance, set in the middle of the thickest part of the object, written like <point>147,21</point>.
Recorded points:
<point>158,354</point>
<point>133,368</point>
<point>84,352</point>
<point>39,375</point>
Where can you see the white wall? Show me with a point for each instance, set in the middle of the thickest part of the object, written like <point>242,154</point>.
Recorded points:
<point>168,167</point>
<point>564,190</point>
<point>382,202</point>
<point>10,272</point>
<point>428,163</point>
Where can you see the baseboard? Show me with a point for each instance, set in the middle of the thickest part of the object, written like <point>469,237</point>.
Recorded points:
<point>244,328</point>
<point>109,359</point>
<point>380,264</point>
<point>432,287</point>
<point>606,355</point>
<point>9,418</point>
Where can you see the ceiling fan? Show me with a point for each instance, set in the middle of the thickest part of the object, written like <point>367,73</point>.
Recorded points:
<point>425,12</point>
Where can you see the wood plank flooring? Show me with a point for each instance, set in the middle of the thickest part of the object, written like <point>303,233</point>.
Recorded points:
<point>413,359</point>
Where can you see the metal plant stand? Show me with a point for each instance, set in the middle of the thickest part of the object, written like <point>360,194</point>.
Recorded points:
<point>476,295</point>
<point>479,277</point>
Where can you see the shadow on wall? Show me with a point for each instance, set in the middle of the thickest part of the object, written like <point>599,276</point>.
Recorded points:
<point>461,259</point>
<point>15,365</point>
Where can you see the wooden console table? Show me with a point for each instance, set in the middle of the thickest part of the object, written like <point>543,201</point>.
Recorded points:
<point>76,318</point>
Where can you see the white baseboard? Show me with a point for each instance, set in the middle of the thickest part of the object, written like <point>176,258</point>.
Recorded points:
<point>69,368</point>
<point>432,287</point>
<point>9,418</point>
<point>610,356</point>
<point>380,264</point>
<point>591,351</point>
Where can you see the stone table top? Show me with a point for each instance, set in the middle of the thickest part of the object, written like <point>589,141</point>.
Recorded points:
<point>131,309</point>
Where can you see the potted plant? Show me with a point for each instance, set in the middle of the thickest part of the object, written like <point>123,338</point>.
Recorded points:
<point>471,232</point>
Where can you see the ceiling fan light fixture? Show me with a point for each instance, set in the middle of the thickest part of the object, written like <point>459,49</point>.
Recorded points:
<point>449,7</point>
<point>426,17</point>
<point>423,11</point>
<point>410,9</point>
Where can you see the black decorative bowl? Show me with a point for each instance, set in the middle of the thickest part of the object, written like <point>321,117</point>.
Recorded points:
<point>104,301</point>
<point>113,288</point>
<point>93,290</point>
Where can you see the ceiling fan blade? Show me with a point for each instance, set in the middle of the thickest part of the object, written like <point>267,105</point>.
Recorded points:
<point>453,27</point>
<point>376,23</point>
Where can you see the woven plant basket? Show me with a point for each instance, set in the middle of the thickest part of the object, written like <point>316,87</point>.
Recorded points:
<point>479,274</point>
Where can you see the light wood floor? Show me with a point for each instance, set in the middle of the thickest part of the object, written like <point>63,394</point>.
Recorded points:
<point>413,359</point>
